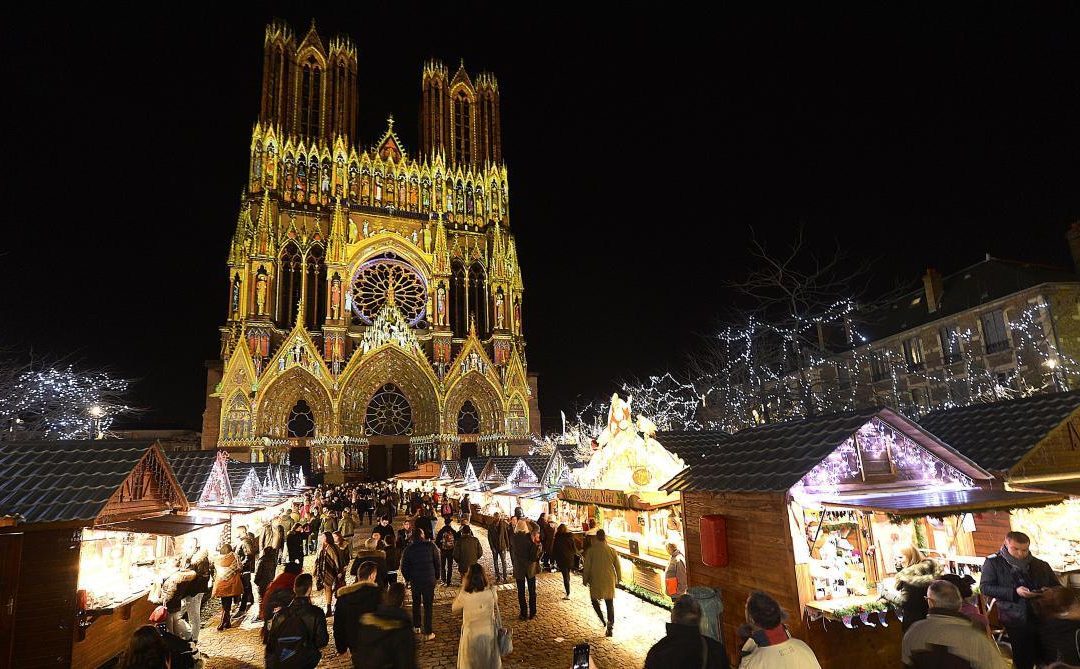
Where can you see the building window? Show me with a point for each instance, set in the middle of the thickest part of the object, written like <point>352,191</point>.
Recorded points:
<point>389,413</point>
<point>879,365</point>
<point>920,400</point>
<point>913,353</point>
<point>950,345</point>
<point>993,327</point>
<point>301,420</point>
<point>843,375</point>
<point>468,421</point>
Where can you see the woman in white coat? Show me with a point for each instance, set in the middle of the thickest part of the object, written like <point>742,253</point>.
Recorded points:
<point>479,604</point>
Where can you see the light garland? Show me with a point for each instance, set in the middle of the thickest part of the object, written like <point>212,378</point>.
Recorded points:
<point>60,403</point>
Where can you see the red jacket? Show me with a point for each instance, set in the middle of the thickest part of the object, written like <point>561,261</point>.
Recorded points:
<point>284,581</point>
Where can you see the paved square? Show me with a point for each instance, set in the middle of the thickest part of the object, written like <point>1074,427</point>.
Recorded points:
<point>546,642</point>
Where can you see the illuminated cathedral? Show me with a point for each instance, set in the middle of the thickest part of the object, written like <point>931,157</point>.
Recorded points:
<point>374,309</point>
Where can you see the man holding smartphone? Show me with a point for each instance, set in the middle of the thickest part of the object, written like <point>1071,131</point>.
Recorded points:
<point>1015,577</point>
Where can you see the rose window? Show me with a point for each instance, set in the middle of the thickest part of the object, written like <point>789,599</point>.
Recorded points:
<point>389,413</point>
<point>380,277</point>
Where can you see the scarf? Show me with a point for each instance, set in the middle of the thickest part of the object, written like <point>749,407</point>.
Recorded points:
<point>770,637</point>
<point>1021,565</point>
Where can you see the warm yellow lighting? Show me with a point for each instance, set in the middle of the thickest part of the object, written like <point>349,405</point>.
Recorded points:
<point>96,411</point>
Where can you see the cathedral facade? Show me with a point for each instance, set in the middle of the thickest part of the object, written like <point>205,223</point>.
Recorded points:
<point>374,309</point>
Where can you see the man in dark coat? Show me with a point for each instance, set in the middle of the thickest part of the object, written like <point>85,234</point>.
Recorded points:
<point>499,543</point>
<point>313,635</point>
<point>354,601</point>
<point>385,635</point>
<point>446,540</point>
<point>1015,577</point>
<point>247,550</point>
<point>420,568</point>
<point>684,645</point>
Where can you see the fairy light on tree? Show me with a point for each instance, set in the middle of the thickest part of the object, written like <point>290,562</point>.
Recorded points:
<point>44,401</point>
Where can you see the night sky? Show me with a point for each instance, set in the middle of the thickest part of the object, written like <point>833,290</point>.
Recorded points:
<point>643,146</point>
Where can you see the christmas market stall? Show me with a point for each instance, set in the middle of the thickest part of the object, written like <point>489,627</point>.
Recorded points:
<point>523,479</point>
<point>95,525</point>
<point>1032,444</point>
<point>421,478</point>
<point>819,512</point>
<point>618,491</point>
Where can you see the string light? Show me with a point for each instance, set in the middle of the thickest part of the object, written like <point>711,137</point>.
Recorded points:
<point>61,403</point>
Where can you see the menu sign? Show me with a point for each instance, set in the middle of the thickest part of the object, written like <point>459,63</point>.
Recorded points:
<point>594,496</point>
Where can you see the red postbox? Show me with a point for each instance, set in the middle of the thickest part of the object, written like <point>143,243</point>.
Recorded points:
<point>712,530</point>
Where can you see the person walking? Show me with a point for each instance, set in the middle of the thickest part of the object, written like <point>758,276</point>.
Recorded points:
<point>420,569</point>
<point>227,583</point>
<point>353,602</point>
<point>946,637</point>
<point>446,540</point>
<point>1015,578</point>
<point>547,538</point>
<point>297,631</point>
<point>370,552</point>
<point>246,552</point>
<point>468,551</point>
<point>385,636</point>
<point>768,644</point>
<point>329,570</point>
<point>601,572</point>
<point>563,551</point>
<point>526,555</point>
<point>294,544</point>
<point>465,509</point>
<point>279,594</point>
<point>499,543</point>
<point>265,567</point>
<point>675,576</point>
<point>685,645</point>
<point>478,646</point>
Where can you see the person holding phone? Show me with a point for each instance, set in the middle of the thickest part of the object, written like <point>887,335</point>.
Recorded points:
<point>1015,578</point>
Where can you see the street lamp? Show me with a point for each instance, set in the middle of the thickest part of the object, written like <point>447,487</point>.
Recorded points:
<point>96,413</point>
<point>1052,363</point>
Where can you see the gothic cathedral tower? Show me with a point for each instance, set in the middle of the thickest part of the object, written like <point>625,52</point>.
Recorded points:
<point>374,309</point>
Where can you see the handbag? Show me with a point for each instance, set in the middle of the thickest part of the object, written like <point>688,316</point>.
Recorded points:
<point>503,635</point>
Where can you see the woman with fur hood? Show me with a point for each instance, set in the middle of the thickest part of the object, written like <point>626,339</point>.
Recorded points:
<point>911,584</point>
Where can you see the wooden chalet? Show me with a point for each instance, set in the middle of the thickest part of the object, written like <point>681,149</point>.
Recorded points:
<point>814,512</point>
<point>83,524</point>
<point>1032,444</point>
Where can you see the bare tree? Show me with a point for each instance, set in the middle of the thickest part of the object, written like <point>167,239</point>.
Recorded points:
<point>48,399</point>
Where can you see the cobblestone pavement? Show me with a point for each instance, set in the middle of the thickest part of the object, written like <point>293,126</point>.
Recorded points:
<point>546,642</point>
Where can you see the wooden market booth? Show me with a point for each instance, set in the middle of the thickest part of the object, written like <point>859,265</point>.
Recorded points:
<point>1032,444</point>
<point>619,491</point>
<point>814,512</point>
<point>89,526</point>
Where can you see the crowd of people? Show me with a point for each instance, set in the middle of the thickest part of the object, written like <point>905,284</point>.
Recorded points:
<point>363,566</point>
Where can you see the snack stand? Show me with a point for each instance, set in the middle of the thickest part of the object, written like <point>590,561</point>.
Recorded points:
<point>816,512</point>
<point>619,491</point>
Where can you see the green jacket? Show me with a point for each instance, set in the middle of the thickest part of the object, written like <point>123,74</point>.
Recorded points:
<point>601,571</point>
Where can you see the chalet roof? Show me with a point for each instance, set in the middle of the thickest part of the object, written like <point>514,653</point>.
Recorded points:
<point>983,282</point>
<point>192,469</point>
<point>58,481</point>
<point>453,468</point>
<point>238,473</point>
<point>692,447</point>
<point>997,436</point>
<point>537,464</point>
<point>773,458</point>
<point>503,464</point>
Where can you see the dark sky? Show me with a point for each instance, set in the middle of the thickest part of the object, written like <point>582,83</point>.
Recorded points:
<point>643,145</point>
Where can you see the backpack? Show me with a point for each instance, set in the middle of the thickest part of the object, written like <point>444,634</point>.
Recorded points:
<point>291,644</point>
<point>447,510</point>
<point>447,541</point>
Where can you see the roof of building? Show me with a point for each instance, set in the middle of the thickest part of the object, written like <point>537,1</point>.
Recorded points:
<point>238,473</point>
<point>537,464</point>
<point>773,458</point>
<point>983,282</point>
<point>58,481</point>
<point>569,455</point>
<point>692,447</point>
<point>453,468</point>
<point>192,469</point>
<point>504,464</point>
<point>997,436</point>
